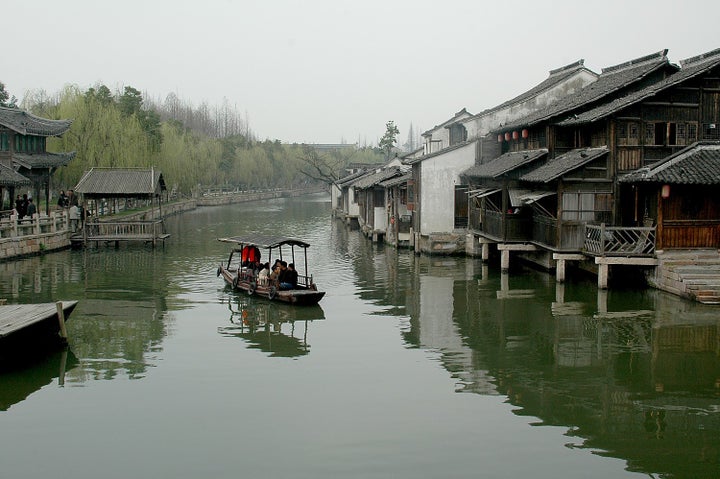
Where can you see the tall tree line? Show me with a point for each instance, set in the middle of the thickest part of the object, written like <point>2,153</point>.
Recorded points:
<point>192,146</point>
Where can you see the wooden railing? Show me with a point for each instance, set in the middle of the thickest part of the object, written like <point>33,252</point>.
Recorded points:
<point>124,230</point>
<point>604,240</point>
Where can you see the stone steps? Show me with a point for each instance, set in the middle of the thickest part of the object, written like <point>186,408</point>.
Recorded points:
<point>690,273</point>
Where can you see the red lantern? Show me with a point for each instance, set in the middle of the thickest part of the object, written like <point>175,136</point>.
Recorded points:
<point>507,136</point>
<point>525,133</point>
<point>500,138</point>
<point>515,135</point>
<point>665,191</point>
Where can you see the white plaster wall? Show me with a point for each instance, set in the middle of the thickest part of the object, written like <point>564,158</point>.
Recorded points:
<point>353,209</point>
<point>440,175</point>
<point>380,219</point>
<point>481,125</point>
<point>335,196</point>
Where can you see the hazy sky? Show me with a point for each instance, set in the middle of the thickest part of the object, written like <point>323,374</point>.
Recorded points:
<point>326,71</point>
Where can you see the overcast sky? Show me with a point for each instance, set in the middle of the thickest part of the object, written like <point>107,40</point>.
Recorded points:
<point>326,71</point>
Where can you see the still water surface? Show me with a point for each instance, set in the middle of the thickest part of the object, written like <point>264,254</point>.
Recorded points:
<point>411,367</point>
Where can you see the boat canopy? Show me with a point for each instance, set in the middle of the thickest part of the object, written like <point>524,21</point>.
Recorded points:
<point>267,242</point>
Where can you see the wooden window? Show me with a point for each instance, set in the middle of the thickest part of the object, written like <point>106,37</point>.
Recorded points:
<point>649,133</point>
<point>4,141</point>
<point>586,206</point>
<point>628,133</point>
<point>681,134</point>
<point>660,133</point>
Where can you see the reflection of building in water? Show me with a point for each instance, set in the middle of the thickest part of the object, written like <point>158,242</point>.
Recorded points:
<point>634,379</point>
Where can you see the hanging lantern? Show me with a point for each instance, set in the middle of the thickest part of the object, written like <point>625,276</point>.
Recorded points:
<point>665,192</point>
<point>500,138</point>
<point>525,133</point>
<point>507,136</point>
<point>516,135</point>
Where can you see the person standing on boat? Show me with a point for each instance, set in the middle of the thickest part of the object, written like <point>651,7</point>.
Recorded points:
<point>290,278</point>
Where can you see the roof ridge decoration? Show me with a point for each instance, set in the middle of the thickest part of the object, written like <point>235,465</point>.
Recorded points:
<point>700,58</point>
<point>573,66</point>
<point>653,57</point>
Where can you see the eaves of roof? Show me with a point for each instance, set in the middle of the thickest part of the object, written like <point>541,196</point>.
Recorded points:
<point>505,163</point>
<point>377,177</point>
<point>440,152</point>
<point>611,80</point>
<point>698,164</point>
<point>33,161</point>
<point>10,177</point>
<point>563,164</point>
<point>26,123</point>
<point>691,68</point>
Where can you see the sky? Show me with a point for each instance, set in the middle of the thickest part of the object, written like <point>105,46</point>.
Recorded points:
<point>336,71</point>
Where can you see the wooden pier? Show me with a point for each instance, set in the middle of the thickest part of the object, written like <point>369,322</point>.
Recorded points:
<point>33,324</point>
<point>116,231</point>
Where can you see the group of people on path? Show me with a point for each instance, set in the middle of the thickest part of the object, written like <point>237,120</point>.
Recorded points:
<point>67,200</point>
<point>24,206</point>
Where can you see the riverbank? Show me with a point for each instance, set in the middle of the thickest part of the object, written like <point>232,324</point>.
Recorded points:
<point>50,233</point>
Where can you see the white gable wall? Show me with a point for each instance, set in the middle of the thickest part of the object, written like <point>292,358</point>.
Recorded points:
<point>439,176</point>
<point>480,125</point>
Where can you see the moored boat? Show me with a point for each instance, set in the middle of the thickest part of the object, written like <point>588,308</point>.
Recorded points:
<point>242,267</point>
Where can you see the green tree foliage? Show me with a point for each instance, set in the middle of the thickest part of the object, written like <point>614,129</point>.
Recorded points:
<point>214,148</point>
<point>387,142</point>
<point>5,99</point>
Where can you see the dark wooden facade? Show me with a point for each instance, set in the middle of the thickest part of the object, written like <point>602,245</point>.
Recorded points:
<point>636,115</point>
<point>23,141</point>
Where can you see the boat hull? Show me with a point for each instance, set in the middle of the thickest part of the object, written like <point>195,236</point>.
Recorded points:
<point>298,297</point>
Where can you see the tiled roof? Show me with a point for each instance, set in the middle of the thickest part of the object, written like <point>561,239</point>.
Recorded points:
<point>698,164</point>
<point>42,160</point>
<point>562,164</point>
<point>556,76</point>
<point>121,181</point>
<point>504,163</point>
<point>412,161</point>
<point>396,181</point>
<point>10,177</point>
<point>691,68</point>
<point>350,178</point>
<point>25,123</point>
<point>375,178</point>
<point>611,80</point>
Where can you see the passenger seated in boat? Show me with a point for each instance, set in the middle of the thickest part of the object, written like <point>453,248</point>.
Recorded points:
<point>274,272</point>
<point>290,278</point>
<point>263,275</point>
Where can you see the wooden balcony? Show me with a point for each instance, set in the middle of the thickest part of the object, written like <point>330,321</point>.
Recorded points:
<point>602,240</point>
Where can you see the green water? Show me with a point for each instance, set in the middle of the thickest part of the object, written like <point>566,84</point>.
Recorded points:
<point>411,367</point>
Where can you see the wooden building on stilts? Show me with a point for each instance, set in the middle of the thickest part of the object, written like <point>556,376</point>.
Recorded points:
<point>104,192</point>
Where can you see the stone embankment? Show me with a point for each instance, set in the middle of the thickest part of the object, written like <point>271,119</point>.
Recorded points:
<point>36,235</point>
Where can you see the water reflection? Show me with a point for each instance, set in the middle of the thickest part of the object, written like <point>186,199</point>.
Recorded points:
<point>22,379</point>
<point>629,374</point>
<point>277,329</point>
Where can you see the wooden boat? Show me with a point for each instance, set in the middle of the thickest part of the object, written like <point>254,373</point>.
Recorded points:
<point>241,273</point>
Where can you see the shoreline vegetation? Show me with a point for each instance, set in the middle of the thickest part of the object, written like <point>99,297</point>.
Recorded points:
<point>191,145</point>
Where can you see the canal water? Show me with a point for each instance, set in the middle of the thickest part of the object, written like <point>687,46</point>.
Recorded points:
<point>411,367</point>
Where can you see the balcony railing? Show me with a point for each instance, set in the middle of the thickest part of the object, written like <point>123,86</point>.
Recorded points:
<point>601,240</point>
